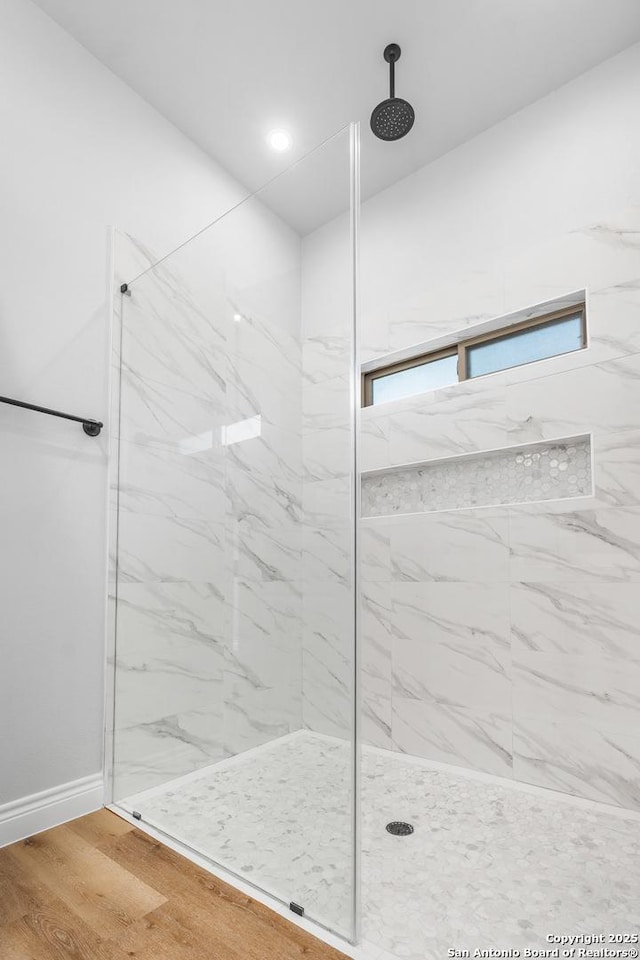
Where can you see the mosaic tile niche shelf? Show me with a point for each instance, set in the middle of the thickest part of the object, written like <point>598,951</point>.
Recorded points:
<point>552,470</point>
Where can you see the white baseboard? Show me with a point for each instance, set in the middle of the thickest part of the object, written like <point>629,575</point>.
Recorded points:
<point>49,808</point>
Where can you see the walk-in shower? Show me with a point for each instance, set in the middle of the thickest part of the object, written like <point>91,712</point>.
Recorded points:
<point>465,764</point>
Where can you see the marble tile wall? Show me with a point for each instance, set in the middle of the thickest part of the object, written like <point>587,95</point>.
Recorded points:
<point>207,542</point>
<point>327,551</point>
<point>505,638</point>
<point>327,495</point>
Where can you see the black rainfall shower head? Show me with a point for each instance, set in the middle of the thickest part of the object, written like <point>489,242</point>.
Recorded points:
<point>393,118</point>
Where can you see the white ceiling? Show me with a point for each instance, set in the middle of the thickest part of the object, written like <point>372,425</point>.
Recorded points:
<point>226,72</point>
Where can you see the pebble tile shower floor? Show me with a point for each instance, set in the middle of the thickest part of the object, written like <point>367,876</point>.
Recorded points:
<point>489,864</point>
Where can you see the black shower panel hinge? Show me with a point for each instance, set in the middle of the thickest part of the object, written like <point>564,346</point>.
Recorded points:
<point>136,815</point>
<point>296,908</point>
<point>124,289</point>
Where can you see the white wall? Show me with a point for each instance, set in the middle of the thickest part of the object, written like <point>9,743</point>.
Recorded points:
<point>80,152</point>
<point>571,158</point>
<point>504,639</point>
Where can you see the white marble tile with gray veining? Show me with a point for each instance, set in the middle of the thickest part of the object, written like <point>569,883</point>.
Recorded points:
<point>325,357</point>
<point>328,503</point>
<point>613,314</point>
<point>617,468</point>
<point>168,548</point>
<point>377,626</point>
<point>273,393</point>
<point>327,453</point>
<point>262,552</point>
<point>264,532</point>
<point>600,544</point>
<point>255,713</point>
<point>153,480</point>
<point>598,399</point>
<point>596,256</point>
<point>449,421</point>
<point>474,297</point>
<point>473,677</point>
<point>454,734</point>
<point>599,692</point>
<point>263,636</point>
<point>327,701</point>
<point>153,616</point>
<point>374,449</point>
<point>259,335</point>
<point>374,664</point>
<point>154,753</point>
<point>464,546</point>
<point>171,348</point>
<point>267,611</point>
<point>374,552</point>
<point>171,652</point>
<point>257,447</point>
<point>176,683</point>
<point>475,615</point>
<point>328,658</point>
<point>173,291</point>
<point>587,619</point>
<point>327,404</point>
<point>327,554</point>
<point>375,721</point>
<point>577,759</point>
<point>272,500</point>
<point>154,414</point>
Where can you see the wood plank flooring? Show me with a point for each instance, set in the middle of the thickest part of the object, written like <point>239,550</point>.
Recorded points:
<point>99,889</point>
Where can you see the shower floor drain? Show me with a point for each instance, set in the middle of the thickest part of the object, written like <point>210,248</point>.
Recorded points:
<point>399,829</point>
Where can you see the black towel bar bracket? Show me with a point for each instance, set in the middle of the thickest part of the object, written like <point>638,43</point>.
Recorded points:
<point>91,427</point>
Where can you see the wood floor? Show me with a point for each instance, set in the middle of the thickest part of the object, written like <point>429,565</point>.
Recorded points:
<point>98,889</point>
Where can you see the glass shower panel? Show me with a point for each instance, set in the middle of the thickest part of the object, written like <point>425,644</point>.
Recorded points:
<point>235,596</point>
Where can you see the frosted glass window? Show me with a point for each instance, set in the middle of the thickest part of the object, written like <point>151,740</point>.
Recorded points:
<point>415,380</point>
<point>525,346</point>
<point>548,335</point>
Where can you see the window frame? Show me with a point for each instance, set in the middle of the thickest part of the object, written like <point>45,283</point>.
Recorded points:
<point>460,349</point>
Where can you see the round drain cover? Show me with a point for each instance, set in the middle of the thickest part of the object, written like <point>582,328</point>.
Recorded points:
<point>399,829</point>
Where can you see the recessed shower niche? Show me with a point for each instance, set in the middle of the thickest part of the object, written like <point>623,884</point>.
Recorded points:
<point>552,470</point>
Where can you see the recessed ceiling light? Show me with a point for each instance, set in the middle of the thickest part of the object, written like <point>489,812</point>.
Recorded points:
<point>279,140</point>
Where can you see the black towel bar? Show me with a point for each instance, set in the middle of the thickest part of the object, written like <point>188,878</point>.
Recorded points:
<point>91,427</point>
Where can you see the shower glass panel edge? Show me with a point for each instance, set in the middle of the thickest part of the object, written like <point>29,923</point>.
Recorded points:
<point>234,538</point>
<point>354,213</point>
